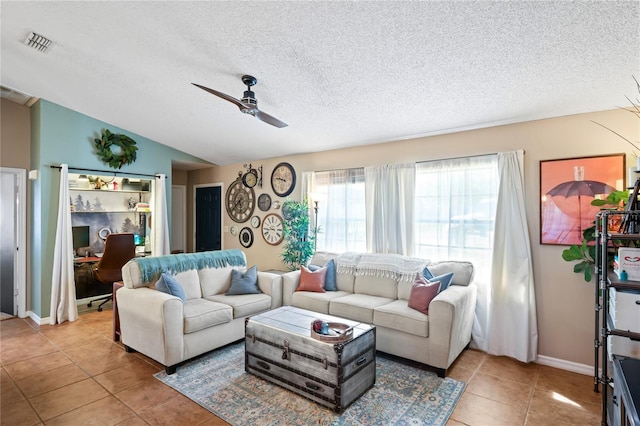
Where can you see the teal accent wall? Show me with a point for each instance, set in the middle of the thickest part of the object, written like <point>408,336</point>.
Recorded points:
<point>62,136</point>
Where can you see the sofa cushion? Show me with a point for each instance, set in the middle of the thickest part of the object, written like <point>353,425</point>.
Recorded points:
<point>422,293</point>
<point>216,280</point>
<point>317,302</point>
<point>244,282</point>
<point>463,271</point>
<point>312,280</point>
<point>330,278</point>
<point>358,307</point>
<point>397,315</point>
<point>376,286</point>
<point>190,283</point>
<point>244,305</point>
<point>201,313</point>
<point>168,284</point>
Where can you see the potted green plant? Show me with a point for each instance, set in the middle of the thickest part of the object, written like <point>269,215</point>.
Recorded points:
<point>585,253</point>
<point>299,235</point>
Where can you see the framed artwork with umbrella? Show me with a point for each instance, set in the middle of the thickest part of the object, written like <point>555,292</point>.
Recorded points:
<point>567,187</point>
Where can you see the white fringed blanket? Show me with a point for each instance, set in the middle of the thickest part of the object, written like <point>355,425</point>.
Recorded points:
<point>395,266</point>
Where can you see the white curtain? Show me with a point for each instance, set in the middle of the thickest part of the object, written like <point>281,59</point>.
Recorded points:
<point>341,210</point>
<point>63,286</point>
<point>160,227</point>
<point>390,194</point>
<point>511,323</point>
<point>307,190</point>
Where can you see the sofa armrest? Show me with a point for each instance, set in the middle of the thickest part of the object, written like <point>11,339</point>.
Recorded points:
<point>451,316</point>
<point>152,322</point>
<point>290,282</point>
<point>271,284</point>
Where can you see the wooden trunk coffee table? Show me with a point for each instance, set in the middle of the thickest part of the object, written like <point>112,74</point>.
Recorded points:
<point>280,348</point>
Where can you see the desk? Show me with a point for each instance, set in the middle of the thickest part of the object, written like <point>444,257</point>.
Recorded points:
<point>89,259</point>
<point>86,285</point>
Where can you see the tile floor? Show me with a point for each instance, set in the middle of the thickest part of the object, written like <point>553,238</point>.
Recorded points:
<point>74,374</point>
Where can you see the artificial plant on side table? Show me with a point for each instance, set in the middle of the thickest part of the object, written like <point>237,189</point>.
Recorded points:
<point>585,253</point>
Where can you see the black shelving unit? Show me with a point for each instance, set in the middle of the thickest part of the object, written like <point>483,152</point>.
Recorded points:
<point>606,243</point>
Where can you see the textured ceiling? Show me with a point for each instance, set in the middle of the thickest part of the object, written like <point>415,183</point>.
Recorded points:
<point>339,73</point>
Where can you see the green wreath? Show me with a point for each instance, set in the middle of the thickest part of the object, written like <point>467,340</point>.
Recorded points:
<point>128,146</point>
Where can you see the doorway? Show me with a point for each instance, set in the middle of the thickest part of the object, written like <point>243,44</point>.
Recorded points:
<point>208,217</point>
<point>13,246</point>
<point>178,218</point>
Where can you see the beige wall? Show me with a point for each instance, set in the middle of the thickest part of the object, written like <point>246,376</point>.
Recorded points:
<point>178,177</point>
<point>15,135</point>
<point>15,152</point>
<point>565,302</point>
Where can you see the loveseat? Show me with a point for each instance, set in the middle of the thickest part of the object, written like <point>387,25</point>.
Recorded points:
<point>375,289</point>
<point>170,330</point>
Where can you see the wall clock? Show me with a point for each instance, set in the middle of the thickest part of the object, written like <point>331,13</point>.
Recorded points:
<point>283,179</point>
<point>240,201</point>
<point>264,202</point>
<point>250,178</point>
<point>255,221</point>
<point>246,237</point>
<point>272,230</point>
<point>233,230</point>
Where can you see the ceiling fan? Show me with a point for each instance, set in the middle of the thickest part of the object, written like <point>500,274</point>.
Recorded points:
<point>248,104</point>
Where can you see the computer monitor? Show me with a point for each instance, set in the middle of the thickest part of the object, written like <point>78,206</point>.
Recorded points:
<point>80,236</point>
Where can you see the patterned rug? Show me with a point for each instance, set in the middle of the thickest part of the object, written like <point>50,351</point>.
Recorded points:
<point>402,395</point>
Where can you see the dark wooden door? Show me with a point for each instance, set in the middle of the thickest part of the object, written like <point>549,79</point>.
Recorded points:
<point>208,218</point>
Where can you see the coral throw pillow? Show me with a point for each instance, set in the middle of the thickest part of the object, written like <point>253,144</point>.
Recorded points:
<point>422,293</point>
<point>312,281</point>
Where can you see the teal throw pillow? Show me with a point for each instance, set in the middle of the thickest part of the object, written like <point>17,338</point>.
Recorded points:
<point>168,284</point>
<point>246,283</point>
<point>427,273</point>
<point>330,279</point>
<point>445,280</point>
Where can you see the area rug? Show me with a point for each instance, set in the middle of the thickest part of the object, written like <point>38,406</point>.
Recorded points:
<point>402,395</point>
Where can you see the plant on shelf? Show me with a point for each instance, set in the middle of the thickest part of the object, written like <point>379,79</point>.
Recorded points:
<point>299,236</point>
<point>585,253</point>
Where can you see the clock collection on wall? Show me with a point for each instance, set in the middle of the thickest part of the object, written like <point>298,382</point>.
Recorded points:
<point>240,203</point>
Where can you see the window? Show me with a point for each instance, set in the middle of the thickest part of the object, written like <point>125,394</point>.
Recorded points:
<point>341,210</point>
<point>455,210</point>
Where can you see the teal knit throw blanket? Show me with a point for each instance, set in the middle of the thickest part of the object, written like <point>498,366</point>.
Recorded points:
<point>151,267</point>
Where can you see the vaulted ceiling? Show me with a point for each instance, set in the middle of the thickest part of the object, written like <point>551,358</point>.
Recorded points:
<point>340,74</point>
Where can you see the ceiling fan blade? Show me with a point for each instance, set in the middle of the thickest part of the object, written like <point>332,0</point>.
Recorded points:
<point>261,115</point>
<point>224,96</point>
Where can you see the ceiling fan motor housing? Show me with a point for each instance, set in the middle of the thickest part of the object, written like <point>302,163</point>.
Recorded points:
<point>249,98</point>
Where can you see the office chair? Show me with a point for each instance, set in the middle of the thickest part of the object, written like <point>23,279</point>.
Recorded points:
<point>118,250</point>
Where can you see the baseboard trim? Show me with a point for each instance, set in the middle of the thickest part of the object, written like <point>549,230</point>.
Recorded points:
<point>562,364</point>
<point>35,318</point>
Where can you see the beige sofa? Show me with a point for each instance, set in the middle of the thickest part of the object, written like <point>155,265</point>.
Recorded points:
<point>375,289</point>
<point>164,328</point>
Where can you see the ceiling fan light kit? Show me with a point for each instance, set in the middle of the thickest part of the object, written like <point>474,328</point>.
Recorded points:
<point>248,104</point>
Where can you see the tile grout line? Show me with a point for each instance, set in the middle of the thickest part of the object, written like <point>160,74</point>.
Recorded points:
<point>532,392</point>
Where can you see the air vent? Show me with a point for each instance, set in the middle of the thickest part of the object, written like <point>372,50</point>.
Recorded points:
<point>38,42</point>
<point>16,96</point>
